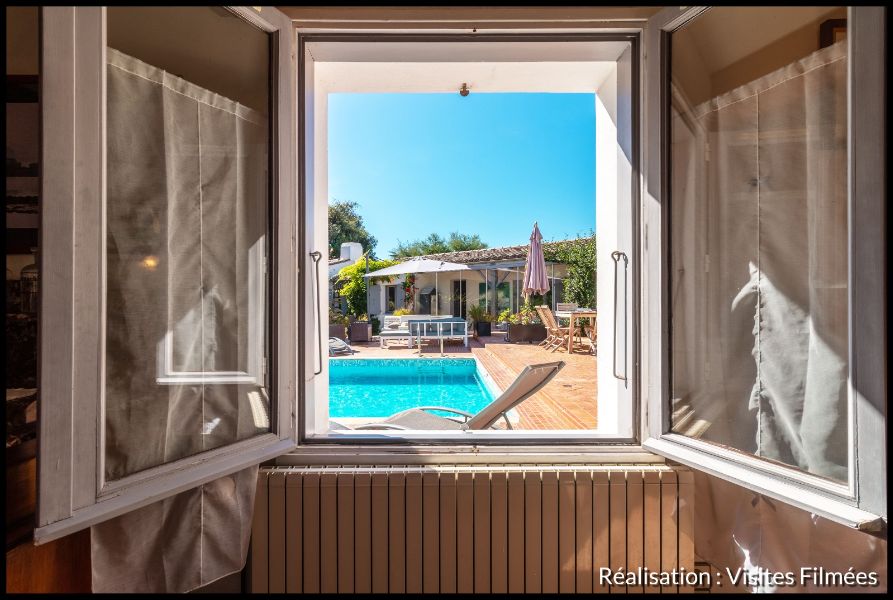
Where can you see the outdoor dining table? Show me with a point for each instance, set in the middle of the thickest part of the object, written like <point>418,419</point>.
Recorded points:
<point>580,313</point>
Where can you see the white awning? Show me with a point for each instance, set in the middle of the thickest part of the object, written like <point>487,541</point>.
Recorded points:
<point>419,265</point>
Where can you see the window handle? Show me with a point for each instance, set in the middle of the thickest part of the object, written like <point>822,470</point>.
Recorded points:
<point>616,256</point>
<point>317,256</point>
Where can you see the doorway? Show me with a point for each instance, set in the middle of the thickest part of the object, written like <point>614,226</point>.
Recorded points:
<point>459,308</point>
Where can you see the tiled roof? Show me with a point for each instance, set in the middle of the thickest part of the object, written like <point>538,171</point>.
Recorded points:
<point>487,255</point>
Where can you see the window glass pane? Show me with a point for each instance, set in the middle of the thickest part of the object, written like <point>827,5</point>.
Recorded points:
<point>187,234</point>
<point>759,245</point>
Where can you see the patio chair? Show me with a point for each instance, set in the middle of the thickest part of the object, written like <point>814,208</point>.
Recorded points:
<point>339,346</point>
<point>550,333</point>
<point>559,334</point>
<point>528,382</point>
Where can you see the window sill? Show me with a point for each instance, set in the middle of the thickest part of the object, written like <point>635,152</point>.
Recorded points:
<point>386,455</point>
<point>785,490</point>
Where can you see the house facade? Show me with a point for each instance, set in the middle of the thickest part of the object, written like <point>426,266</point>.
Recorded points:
<point>494,282</point>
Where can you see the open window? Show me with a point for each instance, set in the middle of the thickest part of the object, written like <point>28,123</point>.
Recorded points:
<point>167,343</point>
<point>183,316</point>
<point>365,94</point>
<point>763,208</point>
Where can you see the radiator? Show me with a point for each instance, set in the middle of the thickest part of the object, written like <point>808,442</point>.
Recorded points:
<point>468,528</point>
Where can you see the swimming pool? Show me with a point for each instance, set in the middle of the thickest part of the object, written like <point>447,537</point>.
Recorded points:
<point>380,387</point>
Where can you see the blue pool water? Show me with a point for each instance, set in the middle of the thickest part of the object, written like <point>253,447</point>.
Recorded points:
<point>380,387</point>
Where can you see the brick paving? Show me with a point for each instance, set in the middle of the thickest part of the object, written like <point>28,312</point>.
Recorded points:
<point>566,402</point>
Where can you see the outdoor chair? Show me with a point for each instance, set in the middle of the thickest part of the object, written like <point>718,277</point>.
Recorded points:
<point>550,333</point>
<point>528,382</point>
<point>339,346</point>
<point>559,334</point>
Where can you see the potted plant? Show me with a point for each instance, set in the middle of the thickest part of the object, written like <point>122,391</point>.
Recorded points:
<point>482,320</point>
<point>338,323</point>
<point>524,325</point>
<point>361,329</point>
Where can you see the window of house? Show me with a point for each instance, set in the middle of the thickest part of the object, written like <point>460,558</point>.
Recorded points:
<point>761,253</point>
<point>175,350</point>
<point>162,348</point>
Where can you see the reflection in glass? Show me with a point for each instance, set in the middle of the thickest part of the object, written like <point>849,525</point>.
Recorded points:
<point>758,173</point>
<point>187,201</point>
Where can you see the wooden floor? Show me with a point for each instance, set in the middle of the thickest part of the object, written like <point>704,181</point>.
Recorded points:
<point>567,402</point>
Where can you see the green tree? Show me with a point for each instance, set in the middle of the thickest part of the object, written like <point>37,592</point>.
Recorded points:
<point>579,256</point>
<point>346,225</point>
<point>436,244</point>
<point>351,283</point>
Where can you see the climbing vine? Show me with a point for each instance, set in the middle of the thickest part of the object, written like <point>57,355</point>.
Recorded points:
<point>351,283</point>
<point>579,256</point>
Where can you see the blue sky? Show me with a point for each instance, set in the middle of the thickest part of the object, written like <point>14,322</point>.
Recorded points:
<point>490,164</point>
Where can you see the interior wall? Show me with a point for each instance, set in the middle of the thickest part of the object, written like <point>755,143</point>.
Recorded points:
<point>22,23</point>
<point>208,46</point>
<point>800,42</point>
<point>730,46</point>
<point>468,17</point>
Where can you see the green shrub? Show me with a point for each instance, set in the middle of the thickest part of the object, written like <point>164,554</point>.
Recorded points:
<point>479,314</point>
<point>337,318</point>
<point>526,315</point>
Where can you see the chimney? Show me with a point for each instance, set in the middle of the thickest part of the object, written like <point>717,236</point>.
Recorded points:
<point>351,250</point>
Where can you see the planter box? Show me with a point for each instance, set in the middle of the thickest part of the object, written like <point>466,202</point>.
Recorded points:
<point>525,333</point>
<point>482,328</point>
<point>338,331</point>
<point>360,331</point>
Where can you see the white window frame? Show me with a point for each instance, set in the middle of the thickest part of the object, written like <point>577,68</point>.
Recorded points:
<point>72,491</point>
<point>359,47</point>
<point>861,503</point>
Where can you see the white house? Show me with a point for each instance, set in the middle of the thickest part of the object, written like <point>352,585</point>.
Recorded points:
<point>494,283</point>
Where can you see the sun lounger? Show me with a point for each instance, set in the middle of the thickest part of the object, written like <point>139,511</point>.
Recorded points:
<point>339,346</point>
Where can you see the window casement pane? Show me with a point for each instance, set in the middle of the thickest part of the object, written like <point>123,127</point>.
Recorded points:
<point>161,368</point>
<point>758,218</point>
<point>186,234</point>
<point>762,274</point>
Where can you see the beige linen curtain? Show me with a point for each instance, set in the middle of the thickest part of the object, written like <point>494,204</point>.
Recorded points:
<point>760,265</point>
<point>186,225</point>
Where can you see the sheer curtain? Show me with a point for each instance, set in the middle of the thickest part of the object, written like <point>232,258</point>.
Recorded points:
<point>186,234</point>
<point>759,266</point>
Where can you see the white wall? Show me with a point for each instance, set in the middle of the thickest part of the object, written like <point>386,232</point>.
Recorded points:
<point>613,213</point>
